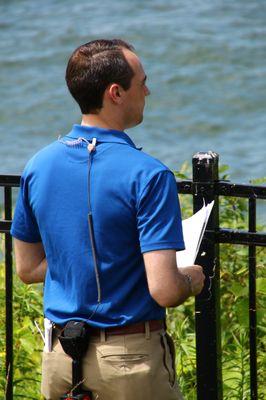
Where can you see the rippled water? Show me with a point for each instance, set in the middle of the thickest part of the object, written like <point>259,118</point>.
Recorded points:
<point>205,61</point>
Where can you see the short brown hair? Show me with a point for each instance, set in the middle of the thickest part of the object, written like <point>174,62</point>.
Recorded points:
<point>92,67</point>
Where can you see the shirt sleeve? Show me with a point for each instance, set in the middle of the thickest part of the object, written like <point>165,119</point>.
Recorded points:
<point>24,226</point>
<point>158,214</point>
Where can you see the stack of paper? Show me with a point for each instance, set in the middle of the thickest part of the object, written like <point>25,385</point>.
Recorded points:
<point>193,231</point>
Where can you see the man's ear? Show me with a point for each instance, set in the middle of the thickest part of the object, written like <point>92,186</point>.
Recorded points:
<point>115,93</point>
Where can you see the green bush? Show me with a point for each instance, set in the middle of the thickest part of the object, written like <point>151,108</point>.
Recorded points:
<point>27,308</point>
<point>234,308</point>
<point>27,305</point>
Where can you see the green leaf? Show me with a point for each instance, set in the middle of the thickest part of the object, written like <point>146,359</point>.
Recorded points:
<point>242,313</point>
<point>258,181</point>
<point>242,270</point>
<point>261,285</point>
<point>238,290</point>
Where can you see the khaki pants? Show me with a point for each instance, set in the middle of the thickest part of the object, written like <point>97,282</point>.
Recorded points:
<point>117,367</point>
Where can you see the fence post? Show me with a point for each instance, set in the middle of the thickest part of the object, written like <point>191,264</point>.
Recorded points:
<point>207,304</point>
<point>9,298</point>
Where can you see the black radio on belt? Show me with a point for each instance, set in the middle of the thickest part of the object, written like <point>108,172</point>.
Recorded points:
<point>74,340</point>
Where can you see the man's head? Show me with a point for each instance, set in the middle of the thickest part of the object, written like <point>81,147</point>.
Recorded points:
<point>107,73</point>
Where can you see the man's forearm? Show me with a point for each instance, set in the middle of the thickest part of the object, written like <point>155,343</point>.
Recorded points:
<point>184,290</point>
<point>30,261</point>
<point>36,275</point>
<point>168,285</point>
<point>191,280</point>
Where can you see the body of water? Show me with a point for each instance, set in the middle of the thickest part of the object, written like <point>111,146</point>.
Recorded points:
<point>206,67</point>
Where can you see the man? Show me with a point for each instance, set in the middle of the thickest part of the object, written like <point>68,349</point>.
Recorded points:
<point>137,229</point>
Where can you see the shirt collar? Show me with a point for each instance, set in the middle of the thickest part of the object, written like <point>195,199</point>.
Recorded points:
<point>102,135</point>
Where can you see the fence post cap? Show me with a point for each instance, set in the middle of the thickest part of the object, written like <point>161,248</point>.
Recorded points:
<point>205,155</point>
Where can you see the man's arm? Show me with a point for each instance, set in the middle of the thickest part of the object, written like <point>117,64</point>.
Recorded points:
<point>168,285</point>
<point>30,261</point>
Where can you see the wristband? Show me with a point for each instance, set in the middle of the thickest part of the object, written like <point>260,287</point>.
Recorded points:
<point>189,282</point>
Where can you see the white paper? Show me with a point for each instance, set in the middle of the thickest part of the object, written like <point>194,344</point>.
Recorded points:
<point>193,231</point>
<point>48,331</point>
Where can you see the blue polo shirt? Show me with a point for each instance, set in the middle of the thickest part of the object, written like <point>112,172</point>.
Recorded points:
<point>135,209</point>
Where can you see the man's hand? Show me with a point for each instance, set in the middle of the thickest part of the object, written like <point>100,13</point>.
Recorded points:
<point>168,285</point>
<point>197,278</point>
<point>30,261</point>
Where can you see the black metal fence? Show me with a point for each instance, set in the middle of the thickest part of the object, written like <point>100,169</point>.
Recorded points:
<point>204,185</point>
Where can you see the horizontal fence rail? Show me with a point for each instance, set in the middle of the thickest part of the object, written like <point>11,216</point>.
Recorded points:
<point>204,186</point>
<point>9,180</point>
<point>222,188</point>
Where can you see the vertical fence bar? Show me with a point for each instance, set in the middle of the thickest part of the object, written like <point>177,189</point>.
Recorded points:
<point>252,304</point>
<point>207,305</point>
<point>9,296</point>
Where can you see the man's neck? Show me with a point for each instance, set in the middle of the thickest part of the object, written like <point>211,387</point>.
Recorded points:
<point>101,122</point>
